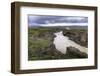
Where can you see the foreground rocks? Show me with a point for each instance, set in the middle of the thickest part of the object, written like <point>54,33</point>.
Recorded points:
<point>52,53</point>
<point>74,52</point>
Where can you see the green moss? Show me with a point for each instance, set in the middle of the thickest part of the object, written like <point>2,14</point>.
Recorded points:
<point>40,41</point>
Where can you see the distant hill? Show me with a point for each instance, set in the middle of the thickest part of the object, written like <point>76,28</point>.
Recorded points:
<point>63,27</point>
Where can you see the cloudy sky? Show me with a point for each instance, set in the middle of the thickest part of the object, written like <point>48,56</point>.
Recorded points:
<point>44,20</point>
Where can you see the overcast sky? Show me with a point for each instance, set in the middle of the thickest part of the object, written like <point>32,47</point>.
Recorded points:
<point>41,20</point>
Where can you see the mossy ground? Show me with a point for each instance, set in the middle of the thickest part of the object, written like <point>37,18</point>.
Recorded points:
<point>40,43</point>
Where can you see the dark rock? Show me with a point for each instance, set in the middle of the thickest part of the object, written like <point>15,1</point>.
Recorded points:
<point>78,37</point>
<point>76,53</point>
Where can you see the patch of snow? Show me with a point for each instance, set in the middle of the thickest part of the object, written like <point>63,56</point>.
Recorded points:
<point>61,43</point>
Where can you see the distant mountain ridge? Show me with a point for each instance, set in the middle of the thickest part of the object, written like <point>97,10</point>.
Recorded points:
<point>64,27</point>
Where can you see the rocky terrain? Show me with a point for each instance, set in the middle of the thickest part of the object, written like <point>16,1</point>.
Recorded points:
<point>41,47</point>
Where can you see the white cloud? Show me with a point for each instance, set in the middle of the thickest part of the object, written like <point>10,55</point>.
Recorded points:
<point>74,18</point>
<point>65,24</point>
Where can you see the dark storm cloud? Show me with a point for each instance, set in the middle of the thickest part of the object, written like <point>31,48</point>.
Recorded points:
<point>41,19</point>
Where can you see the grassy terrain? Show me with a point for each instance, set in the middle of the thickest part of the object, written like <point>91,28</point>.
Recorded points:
<point>40,42</point>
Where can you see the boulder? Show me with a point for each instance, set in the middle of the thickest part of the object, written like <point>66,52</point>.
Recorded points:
<point>72,51</point>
